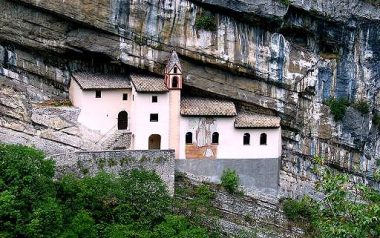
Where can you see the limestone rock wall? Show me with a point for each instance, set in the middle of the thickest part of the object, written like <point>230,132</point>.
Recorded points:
<point>281,59</point>
<point>243,216</point>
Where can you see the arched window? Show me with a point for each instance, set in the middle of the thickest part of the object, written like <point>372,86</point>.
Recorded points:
<point>189,138</point>
<point>215,138</point>
<point>175,70</point>
<point>263,139</point>
<point>122,120</point>
<point>175,82</point>
<point>246,139</point>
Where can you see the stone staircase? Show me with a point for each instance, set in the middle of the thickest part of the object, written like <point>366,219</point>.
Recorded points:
<point>115,140</point>
<point>119,140</point>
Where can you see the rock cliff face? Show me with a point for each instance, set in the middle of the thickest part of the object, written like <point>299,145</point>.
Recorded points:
<point>283,59</point>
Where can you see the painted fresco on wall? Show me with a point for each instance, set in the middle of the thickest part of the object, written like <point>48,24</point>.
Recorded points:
<point>202,146</point>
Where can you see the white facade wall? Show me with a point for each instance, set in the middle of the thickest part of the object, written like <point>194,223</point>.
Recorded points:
<point>100,114</point>
<point>142,127</point>
<point>231,139</point>
<point>75,94</point>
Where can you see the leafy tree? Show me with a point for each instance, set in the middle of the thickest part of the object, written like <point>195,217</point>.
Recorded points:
<point>82,225</point>
<point>347,210</point>
<point>133,204</point>
<point>27,193</point>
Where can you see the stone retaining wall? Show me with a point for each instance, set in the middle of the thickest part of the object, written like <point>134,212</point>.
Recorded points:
<point>116,161</point>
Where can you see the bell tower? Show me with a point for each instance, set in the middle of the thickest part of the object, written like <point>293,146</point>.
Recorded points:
<point>173,81</point>
<point>173,73</point>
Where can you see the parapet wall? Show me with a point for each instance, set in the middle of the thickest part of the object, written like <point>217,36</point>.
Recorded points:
<point>256,175</point>
<point>116,161</point>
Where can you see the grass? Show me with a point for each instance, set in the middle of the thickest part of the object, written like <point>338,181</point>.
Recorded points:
<point>57,103</point>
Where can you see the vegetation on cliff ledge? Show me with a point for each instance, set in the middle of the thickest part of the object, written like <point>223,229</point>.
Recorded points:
<point>134,204</point>
<point>205,21</point>
<point>337,107</point>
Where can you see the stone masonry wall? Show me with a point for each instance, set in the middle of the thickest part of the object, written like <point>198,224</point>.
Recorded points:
<point>116,161</point>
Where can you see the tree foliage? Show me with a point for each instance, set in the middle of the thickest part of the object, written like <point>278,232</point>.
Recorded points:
<point>348,210</point>
<point>133,204</point>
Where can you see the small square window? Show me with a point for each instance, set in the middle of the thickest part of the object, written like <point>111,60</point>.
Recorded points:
<point>154,117</point>
<point>125,96</point>
<point>98,94</point>
<point>154,98</point>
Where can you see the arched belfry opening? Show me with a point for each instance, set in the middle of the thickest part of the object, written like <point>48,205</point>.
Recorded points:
<point>175,82</point>
<point>122,120</point>
<point>154,142</point>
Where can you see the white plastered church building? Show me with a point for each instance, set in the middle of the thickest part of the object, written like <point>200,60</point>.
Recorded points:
<point>150,110</point>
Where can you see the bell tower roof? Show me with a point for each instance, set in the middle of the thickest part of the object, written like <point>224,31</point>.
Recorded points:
<point>174,60</point>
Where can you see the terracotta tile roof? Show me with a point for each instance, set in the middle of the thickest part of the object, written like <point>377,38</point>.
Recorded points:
<point>148,83</point>
<point>172,61</point>
<point>207,107</point>
<point>88,81</point>
<point>252,120</point>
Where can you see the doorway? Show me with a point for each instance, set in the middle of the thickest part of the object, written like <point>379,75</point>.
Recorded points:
<point>154,142</point>
<point>122,120</point>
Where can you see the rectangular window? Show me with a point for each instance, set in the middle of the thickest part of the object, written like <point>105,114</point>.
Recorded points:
<point>154,117</point>
<point>125,96</point>
<point>154,99</point>
<point>98,94</point>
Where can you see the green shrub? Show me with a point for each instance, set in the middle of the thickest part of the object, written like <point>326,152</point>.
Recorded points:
<point>297,210</point>
<point>376,119</point>
<point>204,193</point>
<point>337,107</point>
<point>178,226</point>
<point>230,180</point>
<point>362,106</point>
<point>376,175</point>
<point>205,21</point>
<point>285,2</point>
